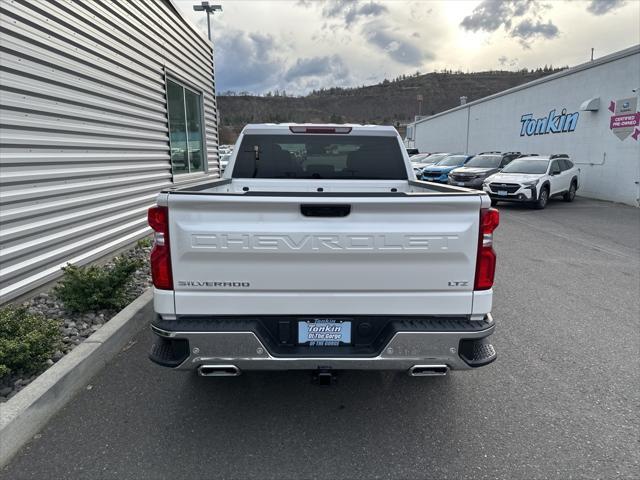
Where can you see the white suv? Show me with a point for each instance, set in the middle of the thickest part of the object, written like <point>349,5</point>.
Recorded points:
<point>534,179</point>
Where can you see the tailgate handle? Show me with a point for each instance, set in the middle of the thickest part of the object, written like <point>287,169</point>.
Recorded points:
<point>318,210</point>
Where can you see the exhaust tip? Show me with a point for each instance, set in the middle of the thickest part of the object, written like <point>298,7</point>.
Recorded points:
<point>218,371</point>
<point>429,370</point>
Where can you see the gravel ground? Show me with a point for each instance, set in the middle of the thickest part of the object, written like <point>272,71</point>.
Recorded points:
<point>75,327</point>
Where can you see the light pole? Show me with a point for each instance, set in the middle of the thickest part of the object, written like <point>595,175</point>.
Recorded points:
<point>205,7</point>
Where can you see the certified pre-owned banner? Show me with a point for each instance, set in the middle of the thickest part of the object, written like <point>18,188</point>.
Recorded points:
<point>625,118</point>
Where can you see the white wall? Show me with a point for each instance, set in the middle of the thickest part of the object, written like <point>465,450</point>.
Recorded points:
<point>84,143</point>
<point>610,167</point>
<point>449,133</point>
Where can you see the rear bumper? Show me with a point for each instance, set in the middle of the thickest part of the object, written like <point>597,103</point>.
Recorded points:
<point>189,344</point>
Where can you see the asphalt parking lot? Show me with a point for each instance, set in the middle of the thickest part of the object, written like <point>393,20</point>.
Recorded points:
<point>561,401</point>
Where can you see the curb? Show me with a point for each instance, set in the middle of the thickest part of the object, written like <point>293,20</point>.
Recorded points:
<point>30,409</point>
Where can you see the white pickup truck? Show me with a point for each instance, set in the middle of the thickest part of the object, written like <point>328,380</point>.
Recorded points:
<point>319,250</point>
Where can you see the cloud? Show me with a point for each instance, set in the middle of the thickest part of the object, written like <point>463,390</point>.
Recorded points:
<point>505,61</point>
<point>350,11</point>
<point>490,15</point>
<point>372,9</point>
<point>395,45</point>
<point>602,7</point>
<point>246,60</point>
<point>527,30</point>
<point>332,66</point>
<point>316,72</point>
<point>290,31</point>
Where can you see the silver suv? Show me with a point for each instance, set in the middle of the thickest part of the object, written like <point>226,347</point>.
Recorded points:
<point>534,180</point>
<point>476,170</point>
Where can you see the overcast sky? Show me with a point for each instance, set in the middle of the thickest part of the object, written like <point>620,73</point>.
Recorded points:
<point>300,45</point>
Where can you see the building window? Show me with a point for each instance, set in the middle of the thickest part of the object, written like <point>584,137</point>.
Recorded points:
<point>185,129</point>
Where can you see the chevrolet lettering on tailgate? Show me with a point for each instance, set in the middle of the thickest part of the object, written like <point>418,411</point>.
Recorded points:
<point>322,242</point>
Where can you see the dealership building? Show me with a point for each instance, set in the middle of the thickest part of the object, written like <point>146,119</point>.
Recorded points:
<point>102,105</point>
<point>589,112</point>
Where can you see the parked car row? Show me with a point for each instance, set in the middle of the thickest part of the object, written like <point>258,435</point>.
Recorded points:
<point>224,151</point>
<point>508,177</point>
<point>439,172</point>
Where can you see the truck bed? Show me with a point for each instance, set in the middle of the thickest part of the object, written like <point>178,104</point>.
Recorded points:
<point>322,187</point>
<point>368,247</point>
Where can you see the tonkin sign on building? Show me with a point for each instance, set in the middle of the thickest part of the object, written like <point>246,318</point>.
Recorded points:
<point>552,123</point>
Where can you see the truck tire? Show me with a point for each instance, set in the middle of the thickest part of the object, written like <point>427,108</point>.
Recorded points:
<point>571,193</point>
<point>543,198</point>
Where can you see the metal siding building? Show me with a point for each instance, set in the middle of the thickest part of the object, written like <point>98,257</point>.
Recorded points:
<point>85,143</point>
<point>609,164</point>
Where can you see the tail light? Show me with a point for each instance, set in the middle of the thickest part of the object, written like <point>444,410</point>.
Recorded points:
<point>160,254</point>
<point>486,262</point>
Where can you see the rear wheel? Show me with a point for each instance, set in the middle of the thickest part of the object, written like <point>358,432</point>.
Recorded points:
<point>543,198</point>
<point>571,194</point>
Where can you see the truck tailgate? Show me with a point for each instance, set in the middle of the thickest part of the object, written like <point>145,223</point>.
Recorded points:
<point>262,255</point>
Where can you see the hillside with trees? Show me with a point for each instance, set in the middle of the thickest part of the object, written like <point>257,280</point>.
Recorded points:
<point>391,102</point>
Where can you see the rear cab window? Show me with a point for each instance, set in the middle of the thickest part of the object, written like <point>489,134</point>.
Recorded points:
<point>313,156</point>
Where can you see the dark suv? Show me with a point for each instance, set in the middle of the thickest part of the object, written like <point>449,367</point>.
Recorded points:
<point>476,170</point>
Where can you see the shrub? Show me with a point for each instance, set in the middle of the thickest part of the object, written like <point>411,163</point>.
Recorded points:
<point>93,288</point>
<point>26,340</point>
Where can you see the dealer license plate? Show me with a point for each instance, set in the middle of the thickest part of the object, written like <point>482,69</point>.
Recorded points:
<point>502,192</point>
<point>462,184</point>
<point>324,332</point>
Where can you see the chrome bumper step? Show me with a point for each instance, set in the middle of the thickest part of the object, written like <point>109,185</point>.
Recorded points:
<point>421,353</point>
